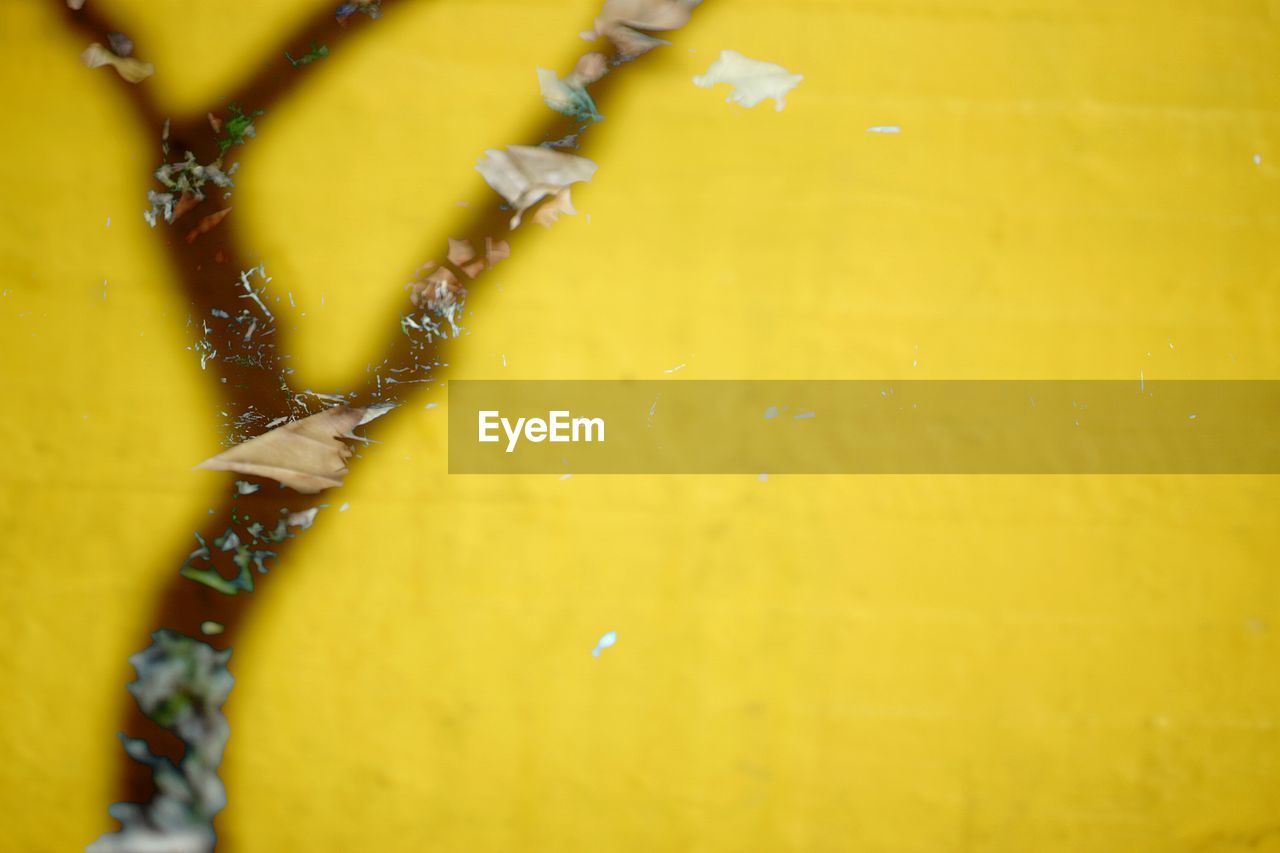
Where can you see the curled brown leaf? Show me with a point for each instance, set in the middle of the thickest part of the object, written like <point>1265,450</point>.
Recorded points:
<point>132,70</point>
<point>307,455</point>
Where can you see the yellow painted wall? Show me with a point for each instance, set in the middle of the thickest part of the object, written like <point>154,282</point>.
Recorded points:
<point>820,664</point>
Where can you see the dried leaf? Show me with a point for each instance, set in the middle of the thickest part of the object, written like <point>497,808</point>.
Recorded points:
<point>495,250</point>
<point>753,81</point>
<point>463,256</point>
<point>560,203</point>
<point>133,70</point>
<point>439,293</point>
<point>307,455</point>
<point>207,224</point>
<point>460,251</point>
<point>627,22</point>
<point>590,68</point>
<point>567,96</point>
<point>524,175</point>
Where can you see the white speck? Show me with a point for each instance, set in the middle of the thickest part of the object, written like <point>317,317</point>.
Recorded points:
<point>344,507</point>
<point>104,290</point>
<point>605,641</point>
<point>504,359</point>
<point>564,477</point>
<point>430,405</point>
<point>1142,382</point>
<point>915,363</point>
<point>884,128</point>
<point>804,416</point>
<point>764,478</point>
<point>464,204</point>
<point>1257,159</point>
<point>109,219</point>
<point>1191,417</point>
<point>679,366</point>
<point>1170,344</point>
<point>770,413</point>
<point>322,300</point>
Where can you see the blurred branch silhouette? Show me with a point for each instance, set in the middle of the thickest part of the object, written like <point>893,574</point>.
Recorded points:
<point>249,348</point>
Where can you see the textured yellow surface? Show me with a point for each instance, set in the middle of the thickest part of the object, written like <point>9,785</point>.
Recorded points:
<point>862,664</point>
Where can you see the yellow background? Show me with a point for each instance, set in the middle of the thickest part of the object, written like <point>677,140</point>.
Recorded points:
<point>843,663</point>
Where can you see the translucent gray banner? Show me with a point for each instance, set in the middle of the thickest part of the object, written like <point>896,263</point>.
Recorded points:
<point>864,427</point>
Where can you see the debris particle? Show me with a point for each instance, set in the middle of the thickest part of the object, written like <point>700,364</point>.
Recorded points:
<point>244,487</point>
<point>209,628</point>
<point>316,52</point>
<point>764,478</point>
<point>564,477</point>
<point>884,128</point>
<point>753,81</point>
<point>372,8</point>
<point>303,519</point>
<point>1257,159</point>
<point>679,366</point>
<point>804,416</point>
<point>121,44</point>
<point>605,641</point>
<point>239,128</point>
<point>210,222</point>
<point>344,507</point>
<point>770,413</point>
<point>130,69</point>
<point>569,96</point>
